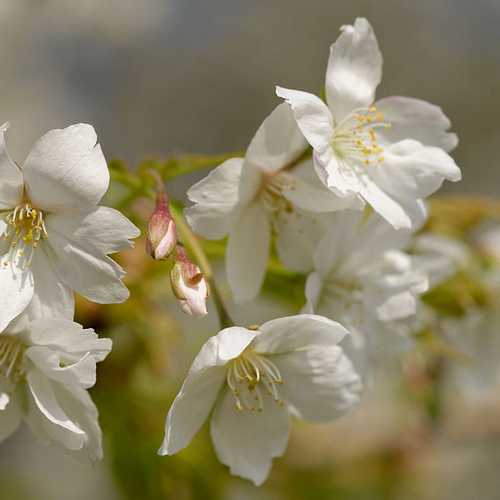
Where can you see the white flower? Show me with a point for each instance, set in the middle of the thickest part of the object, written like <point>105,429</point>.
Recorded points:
<point>54,238</point>
<point>391,154</point>
<point>361,274</point>
<point>253,380</point>
<point>46,365</point>
<point>249,198</point>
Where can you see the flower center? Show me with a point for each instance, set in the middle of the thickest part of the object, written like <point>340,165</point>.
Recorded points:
<point>272,193</point>
<point>11,358</point>
<point>250,377</point>
<point>25,229</point>
<point>355,136</point>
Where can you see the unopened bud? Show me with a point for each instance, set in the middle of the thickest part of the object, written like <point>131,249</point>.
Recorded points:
<point>162,233</point>
<point>189,285</point>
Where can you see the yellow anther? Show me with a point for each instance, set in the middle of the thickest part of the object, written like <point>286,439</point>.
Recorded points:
<point>372,109</point>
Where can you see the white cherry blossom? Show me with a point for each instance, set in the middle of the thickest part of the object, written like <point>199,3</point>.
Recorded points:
<point>391,153</point>
<point>253,379</point>
<point>266,192</point>
<point>362,275</point>
<point>46,365</point>
<point>54,238</point>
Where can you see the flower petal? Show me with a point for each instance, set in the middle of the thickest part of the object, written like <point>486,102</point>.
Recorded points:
<point>392,292</point>
<point>336,174</point>
<point>82,372</point>
<point>354,69</point>
<point>296,238</point>
<point>16,284</point>
<point>51,297</point>
<point>46,416</point>
<point>248,252</point>
<point>412,171</point>
<point>288,334</point>
<point>65,352</point>
<point>313,196</point>
<point>84,267</point>
<point>101,229</point>
<point>81,409</point>
<point>278,142</point>
<point>216,198</point>
<point>11,178</point>
<point>313,117</point>
<point>199,392</point>
<point>415,119</point>
<point>319,382</point>
<point>65,335</point>
<point>248,441</point>
<point>348,235</point>
<point>385,205</point>
<point>66,169</point>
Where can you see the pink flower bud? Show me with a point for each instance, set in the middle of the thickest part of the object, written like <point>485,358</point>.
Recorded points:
<point>162,233</point>
<point>189,285</point>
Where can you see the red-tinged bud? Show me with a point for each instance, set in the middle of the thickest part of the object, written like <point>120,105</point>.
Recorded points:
<point>162,233</point>
<point>189,285</point>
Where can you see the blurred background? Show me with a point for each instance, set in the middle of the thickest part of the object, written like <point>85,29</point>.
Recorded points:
<point>162,77</point>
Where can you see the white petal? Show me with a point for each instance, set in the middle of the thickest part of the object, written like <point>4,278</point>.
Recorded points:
<point>47,415</point>
<point>248,441</point>
<point>412,171</point>
<point>348,236</point>
<point>64,335</point>
<point>102,229</point>
<point>10,416</point>
<point>392,291</point>
<point>339,241</point>
<point>191,408</point>
<point>385,205</point>
<point>85,269</point>
<point>337,174</point>
<point>313,117</point>
<point>11,178</point>
<point>80,408</point>
<point>51,297</point>
<point>16,285</point>
<point>318,381</point>
<point>313,196</point>
<point>248,252</point>
<point>415,119</point>
<point>201,387</point>
<point>66,169</point>
<point>296,238</point>
<point>278,142</point>
<point>354,69</point>
<point>82,372</point>
<point>216,198</point>
<point>295,332</point>
<point>65,352</point>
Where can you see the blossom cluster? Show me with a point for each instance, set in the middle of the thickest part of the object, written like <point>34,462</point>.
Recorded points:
<point>334,189</point>
<point>337,190</point>
<point>55,240</point>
